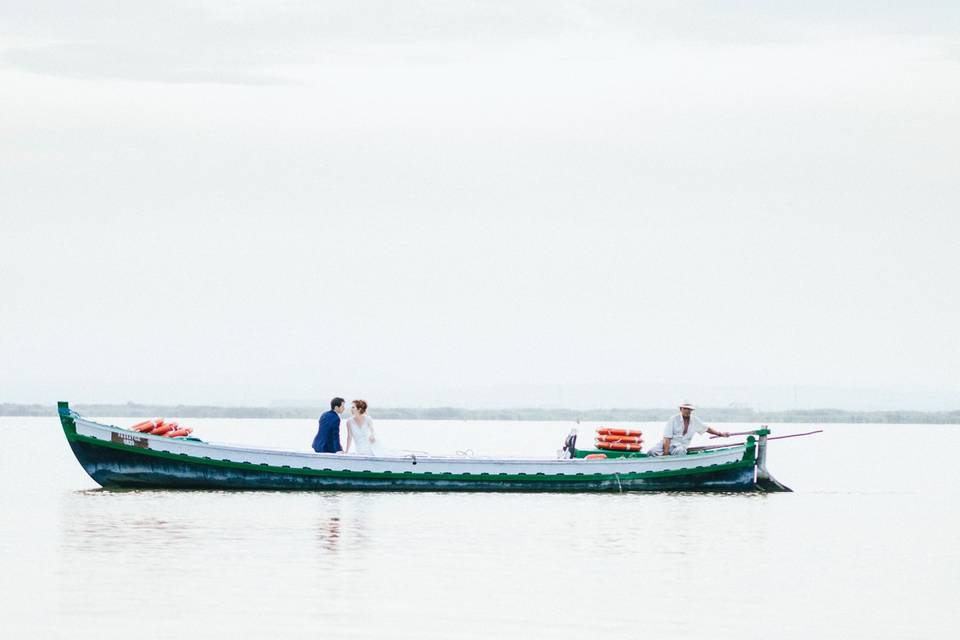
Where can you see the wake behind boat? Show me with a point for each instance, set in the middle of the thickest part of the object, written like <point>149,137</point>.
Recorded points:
<point>120,458</point>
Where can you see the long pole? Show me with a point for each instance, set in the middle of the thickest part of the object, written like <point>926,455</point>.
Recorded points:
<point>735,433</point>
<point>791,435</point>
<point>734,444</point>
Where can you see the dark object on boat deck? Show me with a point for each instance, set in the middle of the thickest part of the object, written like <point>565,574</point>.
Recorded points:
<point>570,444</point>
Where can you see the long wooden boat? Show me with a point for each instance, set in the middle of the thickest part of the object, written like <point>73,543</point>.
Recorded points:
<point>119,458</point>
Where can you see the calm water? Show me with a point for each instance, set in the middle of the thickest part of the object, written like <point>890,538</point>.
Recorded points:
<point>867,547</point>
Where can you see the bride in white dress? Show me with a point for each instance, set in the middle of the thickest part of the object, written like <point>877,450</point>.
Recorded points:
<point>360,431</point>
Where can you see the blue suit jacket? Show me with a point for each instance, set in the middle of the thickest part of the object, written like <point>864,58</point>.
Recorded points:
<point>327,439</point>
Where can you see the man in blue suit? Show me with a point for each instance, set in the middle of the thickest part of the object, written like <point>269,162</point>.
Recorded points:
<point>327,439</point>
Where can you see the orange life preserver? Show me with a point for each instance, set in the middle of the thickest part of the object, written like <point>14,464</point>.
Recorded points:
<point>618,446</point>
<point>184,431</point>
<point>146,425</point>
<point>595,456</point>
<point>606,431</point>
<point>164,429</point>
<point>605,438</point>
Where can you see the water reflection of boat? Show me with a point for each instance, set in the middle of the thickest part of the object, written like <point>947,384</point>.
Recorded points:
<point>119,458</point>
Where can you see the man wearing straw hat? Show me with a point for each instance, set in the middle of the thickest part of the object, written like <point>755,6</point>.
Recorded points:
<point>679,431</point>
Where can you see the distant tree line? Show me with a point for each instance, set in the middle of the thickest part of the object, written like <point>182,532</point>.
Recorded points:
<point>715,414</point>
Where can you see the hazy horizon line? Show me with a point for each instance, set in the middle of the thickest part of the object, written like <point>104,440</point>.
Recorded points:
<point>651,414</point>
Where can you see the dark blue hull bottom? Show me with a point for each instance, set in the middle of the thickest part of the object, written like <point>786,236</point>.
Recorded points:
<point>116,469</point>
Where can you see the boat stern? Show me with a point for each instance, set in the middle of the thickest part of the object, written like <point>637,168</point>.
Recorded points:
<point>764,481</point>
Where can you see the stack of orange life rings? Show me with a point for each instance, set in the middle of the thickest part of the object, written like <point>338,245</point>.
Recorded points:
<point>160,428</point>
<point>619,439</point>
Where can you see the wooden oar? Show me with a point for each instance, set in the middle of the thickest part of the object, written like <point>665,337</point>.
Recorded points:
<point>795,435</point>
<point>734,444</point>
<point>750,433</point>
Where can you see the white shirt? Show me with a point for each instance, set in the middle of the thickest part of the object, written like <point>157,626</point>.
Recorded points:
<point>674,430</point>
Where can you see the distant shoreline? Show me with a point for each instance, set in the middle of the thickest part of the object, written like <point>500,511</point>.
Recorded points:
<point>718,414</point>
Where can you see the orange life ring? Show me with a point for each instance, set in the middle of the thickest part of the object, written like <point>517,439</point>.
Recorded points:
<point>606,431</point>
<point>605,438</point>
<point>618,446</point>
<point>595,456</point>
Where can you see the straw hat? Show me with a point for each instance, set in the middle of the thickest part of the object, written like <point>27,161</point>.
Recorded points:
<point>687,405</point>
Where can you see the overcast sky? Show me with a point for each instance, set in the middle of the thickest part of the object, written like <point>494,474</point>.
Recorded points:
<point>517,203</point>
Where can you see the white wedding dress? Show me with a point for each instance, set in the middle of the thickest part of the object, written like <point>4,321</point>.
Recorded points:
<point>360,436</point>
